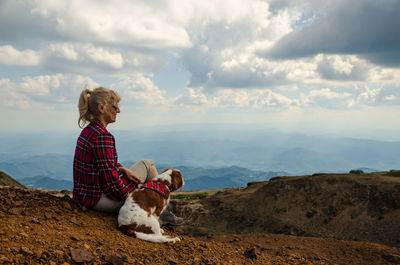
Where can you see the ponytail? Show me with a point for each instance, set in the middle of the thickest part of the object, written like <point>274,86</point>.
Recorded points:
<point>83,106</point>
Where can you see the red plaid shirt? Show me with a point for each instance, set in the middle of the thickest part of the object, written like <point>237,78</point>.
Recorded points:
<point>96,167</point>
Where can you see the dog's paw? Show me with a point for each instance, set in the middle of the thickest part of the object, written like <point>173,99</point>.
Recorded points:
<point>161,231</point>
<point>175,239</point>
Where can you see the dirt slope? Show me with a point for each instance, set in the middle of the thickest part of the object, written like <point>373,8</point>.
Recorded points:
<point>39,228</point>
<point>6,180</point>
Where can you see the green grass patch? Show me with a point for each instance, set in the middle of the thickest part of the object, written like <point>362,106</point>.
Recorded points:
<point>189,196</point>
<point>393,173</point>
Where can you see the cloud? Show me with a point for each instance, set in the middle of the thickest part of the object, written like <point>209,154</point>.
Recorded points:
<point>139,90</point>
<point>365,28</point>
<point>45,91</point>
<point>85,53</point>
<point>128,23</point>
<point>249,54</point>
<point>225,41</point>
<point>80,58</point>
<point>327,98</point>
<point>233,98</point>
<point>11,56</point>
<point>10,98</point>
<point>342,67</point>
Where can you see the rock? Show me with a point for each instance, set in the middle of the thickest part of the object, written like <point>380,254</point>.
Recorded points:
<point>58,252</point>
<point>25,251</point>
<point>23,234</point>
<point>392,258</point>
<point>207,262</point>
<point>4,260</point>
<point>171,261</point>
<point>38,252</point>
<point>250,253</point>
<point>116,260</point>
<point>67,205</point>
<point>35,221</point>
<point>80,255</point>
<point>74,221</point>
<point>47,215</point>
<point>18,203</point>
<point>16,211</point>
<point>74,238</point>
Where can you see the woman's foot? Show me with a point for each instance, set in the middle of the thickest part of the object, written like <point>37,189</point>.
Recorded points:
<point>168,218</point>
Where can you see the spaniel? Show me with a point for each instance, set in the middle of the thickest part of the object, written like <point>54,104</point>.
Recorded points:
<point>139,215</point>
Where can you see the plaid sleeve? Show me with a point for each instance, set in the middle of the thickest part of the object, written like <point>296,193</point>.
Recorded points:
<point>114,186</point>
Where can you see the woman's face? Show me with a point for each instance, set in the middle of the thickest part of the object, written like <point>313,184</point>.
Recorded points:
<point>108,113</point>
<point>113,109</point>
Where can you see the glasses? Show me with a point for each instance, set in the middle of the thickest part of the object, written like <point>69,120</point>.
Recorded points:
<point>115,107</point>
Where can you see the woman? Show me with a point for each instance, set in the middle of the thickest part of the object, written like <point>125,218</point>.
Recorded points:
<point>100,182</point>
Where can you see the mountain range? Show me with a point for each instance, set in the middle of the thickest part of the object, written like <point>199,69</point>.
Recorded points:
<point>195,178</point>
<point>208,154</point>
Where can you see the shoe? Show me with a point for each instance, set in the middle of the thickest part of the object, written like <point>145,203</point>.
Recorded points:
<point>168,218</point>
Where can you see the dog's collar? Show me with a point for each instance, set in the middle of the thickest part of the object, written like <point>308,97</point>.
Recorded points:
<point>163,188</point>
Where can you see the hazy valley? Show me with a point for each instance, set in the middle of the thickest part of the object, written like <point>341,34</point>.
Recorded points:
<point>209,158</point>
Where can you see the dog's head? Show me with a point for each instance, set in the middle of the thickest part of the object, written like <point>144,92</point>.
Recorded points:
<point>177,181</point>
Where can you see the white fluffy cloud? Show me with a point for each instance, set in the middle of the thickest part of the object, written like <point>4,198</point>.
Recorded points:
<point>86,53</point>
<point>44,91</point>
<point>234,98</point>
<point>11,56</point>
<point>120,22</point>
<point>139,90</point>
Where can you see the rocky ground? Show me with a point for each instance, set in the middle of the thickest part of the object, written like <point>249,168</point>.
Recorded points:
<point>37,227</point>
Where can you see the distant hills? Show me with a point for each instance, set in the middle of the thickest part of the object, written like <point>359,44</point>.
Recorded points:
<point>56,166</point>
<point>209,155</point>
<point>195,178</point>
<point>47,183</point>
<point>218,178</point>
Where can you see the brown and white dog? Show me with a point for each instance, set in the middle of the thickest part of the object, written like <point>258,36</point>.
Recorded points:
<point>139,215</point>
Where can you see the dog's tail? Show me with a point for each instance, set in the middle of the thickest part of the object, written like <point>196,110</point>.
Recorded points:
<point>156,238</point>
<point>128,229</point>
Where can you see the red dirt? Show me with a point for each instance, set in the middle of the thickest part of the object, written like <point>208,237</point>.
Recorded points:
<point>39,228</point>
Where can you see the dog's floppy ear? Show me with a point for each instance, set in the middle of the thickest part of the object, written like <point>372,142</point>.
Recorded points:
<point>165,169</point>
<point>176,179</point>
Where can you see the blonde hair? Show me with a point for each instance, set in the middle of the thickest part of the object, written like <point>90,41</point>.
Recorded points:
<point>89,101</point>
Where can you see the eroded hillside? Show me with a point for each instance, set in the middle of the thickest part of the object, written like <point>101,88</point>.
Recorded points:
<point>341,206</point>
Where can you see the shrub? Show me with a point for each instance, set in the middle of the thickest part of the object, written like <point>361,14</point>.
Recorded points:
<point>356,171</point>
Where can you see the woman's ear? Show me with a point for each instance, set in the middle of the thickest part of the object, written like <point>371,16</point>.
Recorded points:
<point>101,108</point>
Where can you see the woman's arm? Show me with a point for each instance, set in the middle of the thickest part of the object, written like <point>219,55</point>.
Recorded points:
<point>129,174</point>
<point>104,152</point>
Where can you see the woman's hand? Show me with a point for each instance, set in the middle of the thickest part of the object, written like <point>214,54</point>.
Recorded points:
<point>129,174</point>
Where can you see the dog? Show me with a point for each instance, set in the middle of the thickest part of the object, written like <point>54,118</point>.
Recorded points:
<point>139,216</point>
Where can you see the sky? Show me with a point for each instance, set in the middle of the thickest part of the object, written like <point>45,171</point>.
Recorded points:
<point>330,67</point>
